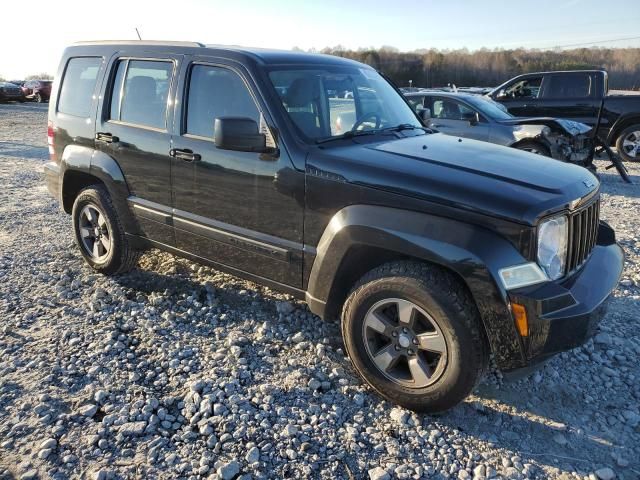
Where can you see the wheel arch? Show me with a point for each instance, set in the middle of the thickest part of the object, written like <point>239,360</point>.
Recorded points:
<point>620,125</point>
<point>360,238</point>
<point>84,166</point>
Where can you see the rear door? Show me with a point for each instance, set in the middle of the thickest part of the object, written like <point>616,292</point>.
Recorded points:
<point>240,209</point>
<point>132,127</point>
<point>572,95</point>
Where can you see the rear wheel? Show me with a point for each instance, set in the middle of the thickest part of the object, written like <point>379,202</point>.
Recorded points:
<point>534,147</point>
<point>99,233</point>
<point>413,333</point>
<point>628,143</point>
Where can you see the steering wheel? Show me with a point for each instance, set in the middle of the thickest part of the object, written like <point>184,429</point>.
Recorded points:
<point>366,116</point>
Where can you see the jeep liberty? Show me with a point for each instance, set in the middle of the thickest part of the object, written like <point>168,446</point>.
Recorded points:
<point>435,251</point>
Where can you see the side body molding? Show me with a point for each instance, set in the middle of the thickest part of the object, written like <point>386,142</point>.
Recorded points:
<point>78,159</point>
<point>472,252</point>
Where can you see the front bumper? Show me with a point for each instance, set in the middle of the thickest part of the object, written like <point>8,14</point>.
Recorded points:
<point>563,315</point>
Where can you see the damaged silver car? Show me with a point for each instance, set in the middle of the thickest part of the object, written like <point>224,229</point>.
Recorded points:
<point>474,116</point>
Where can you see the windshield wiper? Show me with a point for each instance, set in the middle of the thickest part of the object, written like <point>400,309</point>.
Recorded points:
<point>349,134</point>
<point>404,126</point>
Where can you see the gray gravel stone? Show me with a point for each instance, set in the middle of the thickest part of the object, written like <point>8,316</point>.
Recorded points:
<point>229,470</point>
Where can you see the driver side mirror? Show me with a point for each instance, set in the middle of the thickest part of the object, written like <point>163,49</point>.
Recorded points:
<point>501,94</point>
<point>424,114</point>
<point>239,134</point>
<point>473,118</point>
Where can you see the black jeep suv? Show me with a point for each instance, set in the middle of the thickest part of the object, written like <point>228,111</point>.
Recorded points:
<point>435,251</point>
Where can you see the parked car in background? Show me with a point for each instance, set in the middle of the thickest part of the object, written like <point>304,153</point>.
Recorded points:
<point>478,117</point>
<point>10,92</point>
<point>37,90</point>
<point>576,95</point>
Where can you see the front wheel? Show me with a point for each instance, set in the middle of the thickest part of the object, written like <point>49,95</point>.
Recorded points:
<point>413,334</point>
<point>38,98</point>
<point>628,143</point>
<point>99,233</point>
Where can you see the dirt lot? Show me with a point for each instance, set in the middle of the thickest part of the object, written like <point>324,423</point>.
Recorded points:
<point>176,370</point>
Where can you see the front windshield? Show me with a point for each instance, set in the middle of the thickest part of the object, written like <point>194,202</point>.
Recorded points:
<point>326,102</point>
<point>490,108</point>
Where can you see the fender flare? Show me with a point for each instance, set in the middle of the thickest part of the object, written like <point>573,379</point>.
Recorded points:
<point>87,160</point>
<point>474,253</point>
<point>619,125</point>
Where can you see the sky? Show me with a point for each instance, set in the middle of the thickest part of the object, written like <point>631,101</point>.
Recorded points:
<point>34,44</point>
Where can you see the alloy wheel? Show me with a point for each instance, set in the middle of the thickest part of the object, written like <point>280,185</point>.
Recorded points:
<point>405,343</point>
<point>94,233</point>
<point>631,144</point>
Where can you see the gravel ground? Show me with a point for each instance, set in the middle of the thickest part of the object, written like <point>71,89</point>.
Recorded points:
<point>176,370</point>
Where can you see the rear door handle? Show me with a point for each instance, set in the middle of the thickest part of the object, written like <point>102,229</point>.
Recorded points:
<point>106,137</point>
<point>186,155</point>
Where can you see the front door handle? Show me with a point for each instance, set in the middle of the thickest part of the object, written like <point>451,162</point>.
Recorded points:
<point>106,137</point>
<point>186,155</point>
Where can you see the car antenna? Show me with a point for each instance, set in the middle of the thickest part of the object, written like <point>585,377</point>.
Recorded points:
<point>139,37</point>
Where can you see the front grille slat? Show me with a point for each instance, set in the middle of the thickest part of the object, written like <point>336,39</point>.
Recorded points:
<point>583,232</point>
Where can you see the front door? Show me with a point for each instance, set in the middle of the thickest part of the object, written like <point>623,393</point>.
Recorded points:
<point>522,96</point>
<point>243,210</point>
<point>452,117</point>
<point>133,129</point>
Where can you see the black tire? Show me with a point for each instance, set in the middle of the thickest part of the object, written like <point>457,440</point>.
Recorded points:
<point>534,147</point>
<point>38,98</point>
<point>629,133</point>
<point>446,300</point>
<point>120,257</point>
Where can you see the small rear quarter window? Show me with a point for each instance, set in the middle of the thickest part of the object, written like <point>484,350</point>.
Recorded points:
<point>78,85</point>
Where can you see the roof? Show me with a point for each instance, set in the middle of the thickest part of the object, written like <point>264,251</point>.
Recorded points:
<point>262,55</point>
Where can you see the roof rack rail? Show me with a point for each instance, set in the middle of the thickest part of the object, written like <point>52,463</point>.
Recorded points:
<point>142,42</point>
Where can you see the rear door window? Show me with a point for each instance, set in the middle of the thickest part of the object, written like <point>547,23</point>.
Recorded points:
<point>140,92</point>
<point>568,85</point>
<point>78,85</point>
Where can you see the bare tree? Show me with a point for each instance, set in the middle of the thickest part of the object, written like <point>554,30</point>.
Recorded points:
<point>40,76</point>
<point>435,68</point>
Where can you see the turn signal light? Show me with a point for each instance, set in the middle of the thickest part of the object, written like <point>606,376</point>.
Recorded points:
<point>520,316</point>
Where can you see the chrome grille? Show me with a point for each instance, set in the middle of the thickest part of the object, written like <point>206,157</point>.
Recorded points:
<point>583,233</point>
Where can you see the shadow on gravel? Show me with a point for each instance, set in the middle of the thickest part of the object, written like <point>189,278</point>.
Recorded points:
<point>31,152</point>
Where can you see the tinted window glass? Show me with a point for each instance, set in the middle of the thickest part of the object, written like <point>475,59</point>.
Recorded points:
<point>330,101</point>
<point>573,85</point>
<point>450,110</point>
<point>142,97</point>
<point>216,92</point>
<point>78,85</point>
<point>416,102</point>
<point>527,88</point>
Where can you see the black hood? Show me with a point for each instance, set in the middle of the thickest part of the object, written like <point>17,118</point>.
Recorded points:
<point>482,177</point>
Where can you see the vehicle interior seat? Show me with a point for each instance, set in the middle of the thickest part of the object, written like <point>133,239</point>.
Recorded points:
<point>450,110</point>
<point>141,104</point>
<point>303,102</point>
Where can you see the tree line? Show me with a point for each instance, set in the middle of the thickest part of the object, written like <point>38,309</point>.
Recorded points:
<point>436,68</point>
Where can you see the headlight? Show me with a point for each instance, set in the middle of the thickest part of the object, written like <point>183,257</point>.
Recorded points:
<point>552,246</point>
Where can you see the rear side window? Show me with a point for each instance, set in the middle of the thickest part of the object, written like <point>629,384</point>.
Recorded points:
<point>140,92</point>
<point>216,92</point>
<point>572,85</point>
<point>78,85</point>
